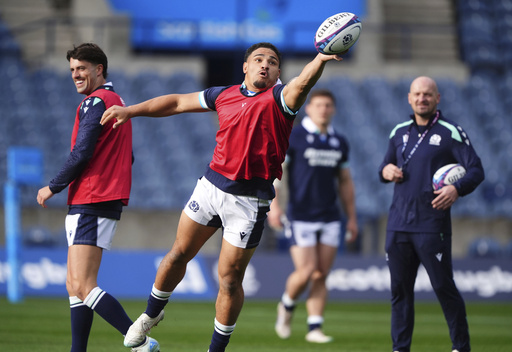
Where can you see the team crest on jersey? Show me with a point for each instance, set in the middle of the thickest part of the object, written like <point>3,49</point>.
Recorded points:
<point>310,138</point>
<point>435,140</point>
<point>194,206</point>
<point>334,142</point>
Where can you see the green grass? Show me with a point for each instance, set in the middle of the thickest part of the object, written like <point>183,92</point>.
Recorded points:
<point>43,325</point>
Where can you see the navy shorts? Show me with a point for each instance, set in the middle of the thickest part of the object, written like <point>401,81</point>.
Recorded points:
<point>90,230</point>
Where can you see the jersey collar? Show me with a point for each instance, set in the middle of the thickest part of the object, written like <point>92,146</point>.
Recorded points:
<point>107,86</point>
<point>310,126</point>
<point>247,92</point>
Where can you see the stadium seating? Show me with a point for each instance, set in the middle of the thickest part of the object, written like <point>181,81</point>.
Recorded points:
<point>485,31</point>
<point>508,250</point>
<point>8,45</point>
<point>171,153</point>
<point>38,236</point>
<point>485,248</point>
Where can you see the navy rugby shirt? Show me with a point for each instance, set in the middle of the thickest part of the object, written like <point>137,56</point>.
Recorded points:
<point>313,161</point>
<point>445,143</point>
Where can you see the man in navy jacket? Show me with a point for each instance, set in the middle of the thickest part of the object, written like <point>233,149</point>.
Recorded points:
<point>419,223</point>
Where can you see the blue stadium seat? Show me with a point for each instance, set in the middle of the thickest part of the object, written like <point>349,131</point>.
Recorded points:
<point>485,248</point>
<point>11,67</point>
<point>500,7</point>
<point>476,26</point>
<point>183,82</point>
<point>479,45</point>
<point>38,236</point>
<point>147,85</point>
<point>508,250</point>
<point>479,54</point>
<point>465,7</point>
<point>9,47</point>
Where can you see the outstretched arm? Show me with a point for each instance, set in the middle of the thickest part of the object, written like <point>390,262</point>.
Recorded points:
<point>165,105</point>
<point>296,91</point>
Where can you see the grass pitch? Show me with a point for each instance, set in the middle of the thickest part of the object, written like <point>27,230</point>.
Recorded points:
<point>42,325</point>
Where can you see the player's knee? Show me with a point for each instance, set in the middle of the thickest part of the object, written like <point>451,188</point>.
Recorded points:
<point>318,275</point>
<point>306,272</point>
<point>176,257</point>
<point>230,284</point>
<point>77,288</point>
<point>69,288</point>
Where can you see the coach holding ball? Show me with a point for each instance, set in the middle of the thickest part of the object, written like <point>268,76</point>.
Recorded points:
<point>419,223</point>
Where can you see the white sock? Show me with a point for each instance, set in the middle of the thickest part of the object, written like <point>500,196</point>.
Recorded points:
<point>315,319</point>
<point>161,295</point>
<point>287,301</point>
<point>94,297</point>
<point>74,301</point>
<point>223,329</point>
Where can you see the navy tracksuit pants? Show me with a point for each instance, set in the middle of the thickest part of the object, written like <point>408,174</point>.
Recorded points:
<point>404,252</point>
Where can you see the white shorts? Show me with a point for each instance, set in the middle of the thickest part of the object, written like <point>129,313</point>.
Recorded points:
<point>309,234</point>
<point>242,218</point>
<point>90,230</point>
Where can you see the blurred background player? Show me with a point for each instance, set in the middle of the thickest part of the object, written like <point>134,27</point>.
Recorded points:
<point>419,223</point>
<point>98,172</point>
<point>318,178</point>
<point>255,121</point>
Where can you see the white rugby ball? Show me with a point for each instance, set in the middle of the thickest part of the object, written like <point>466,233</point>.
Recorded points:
<point>338,33</point>
<point>447,175</point>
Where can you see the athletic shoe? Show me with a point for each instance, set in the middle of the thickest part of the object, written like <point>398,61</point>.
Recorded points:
<point>138,330</point>
<point>283,323</point>
<point>455,351</point>
<point>317,336</point>
<point>151,345</point>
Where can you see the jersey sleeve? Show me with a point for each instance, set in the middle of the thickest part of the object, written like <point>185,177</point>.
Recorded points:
<point>345,148</point>
<point>208,97</point>
<point>465,154</point>
<point>89,129</point>
<point>278,96</point>
<point>389,157</point>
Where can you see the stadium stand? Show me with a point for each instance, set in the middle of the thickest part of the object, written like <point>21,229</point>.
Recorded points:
<point>508,250</point>
<point>38,236</point>
<point>169,152</point>
<point>369,108</point>
<point>485,248</point>
<point>8,45</point>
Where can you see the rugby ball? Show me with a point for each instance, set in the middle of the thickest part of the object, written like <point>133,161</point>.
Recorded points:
<point>447,175</point>
<point>338,33</point>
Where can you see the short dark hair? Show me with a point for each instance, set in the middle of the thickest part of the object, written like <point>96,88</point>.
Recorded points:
<point>322,93</point>
<point>91,53</point>
<point>267,45</point>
